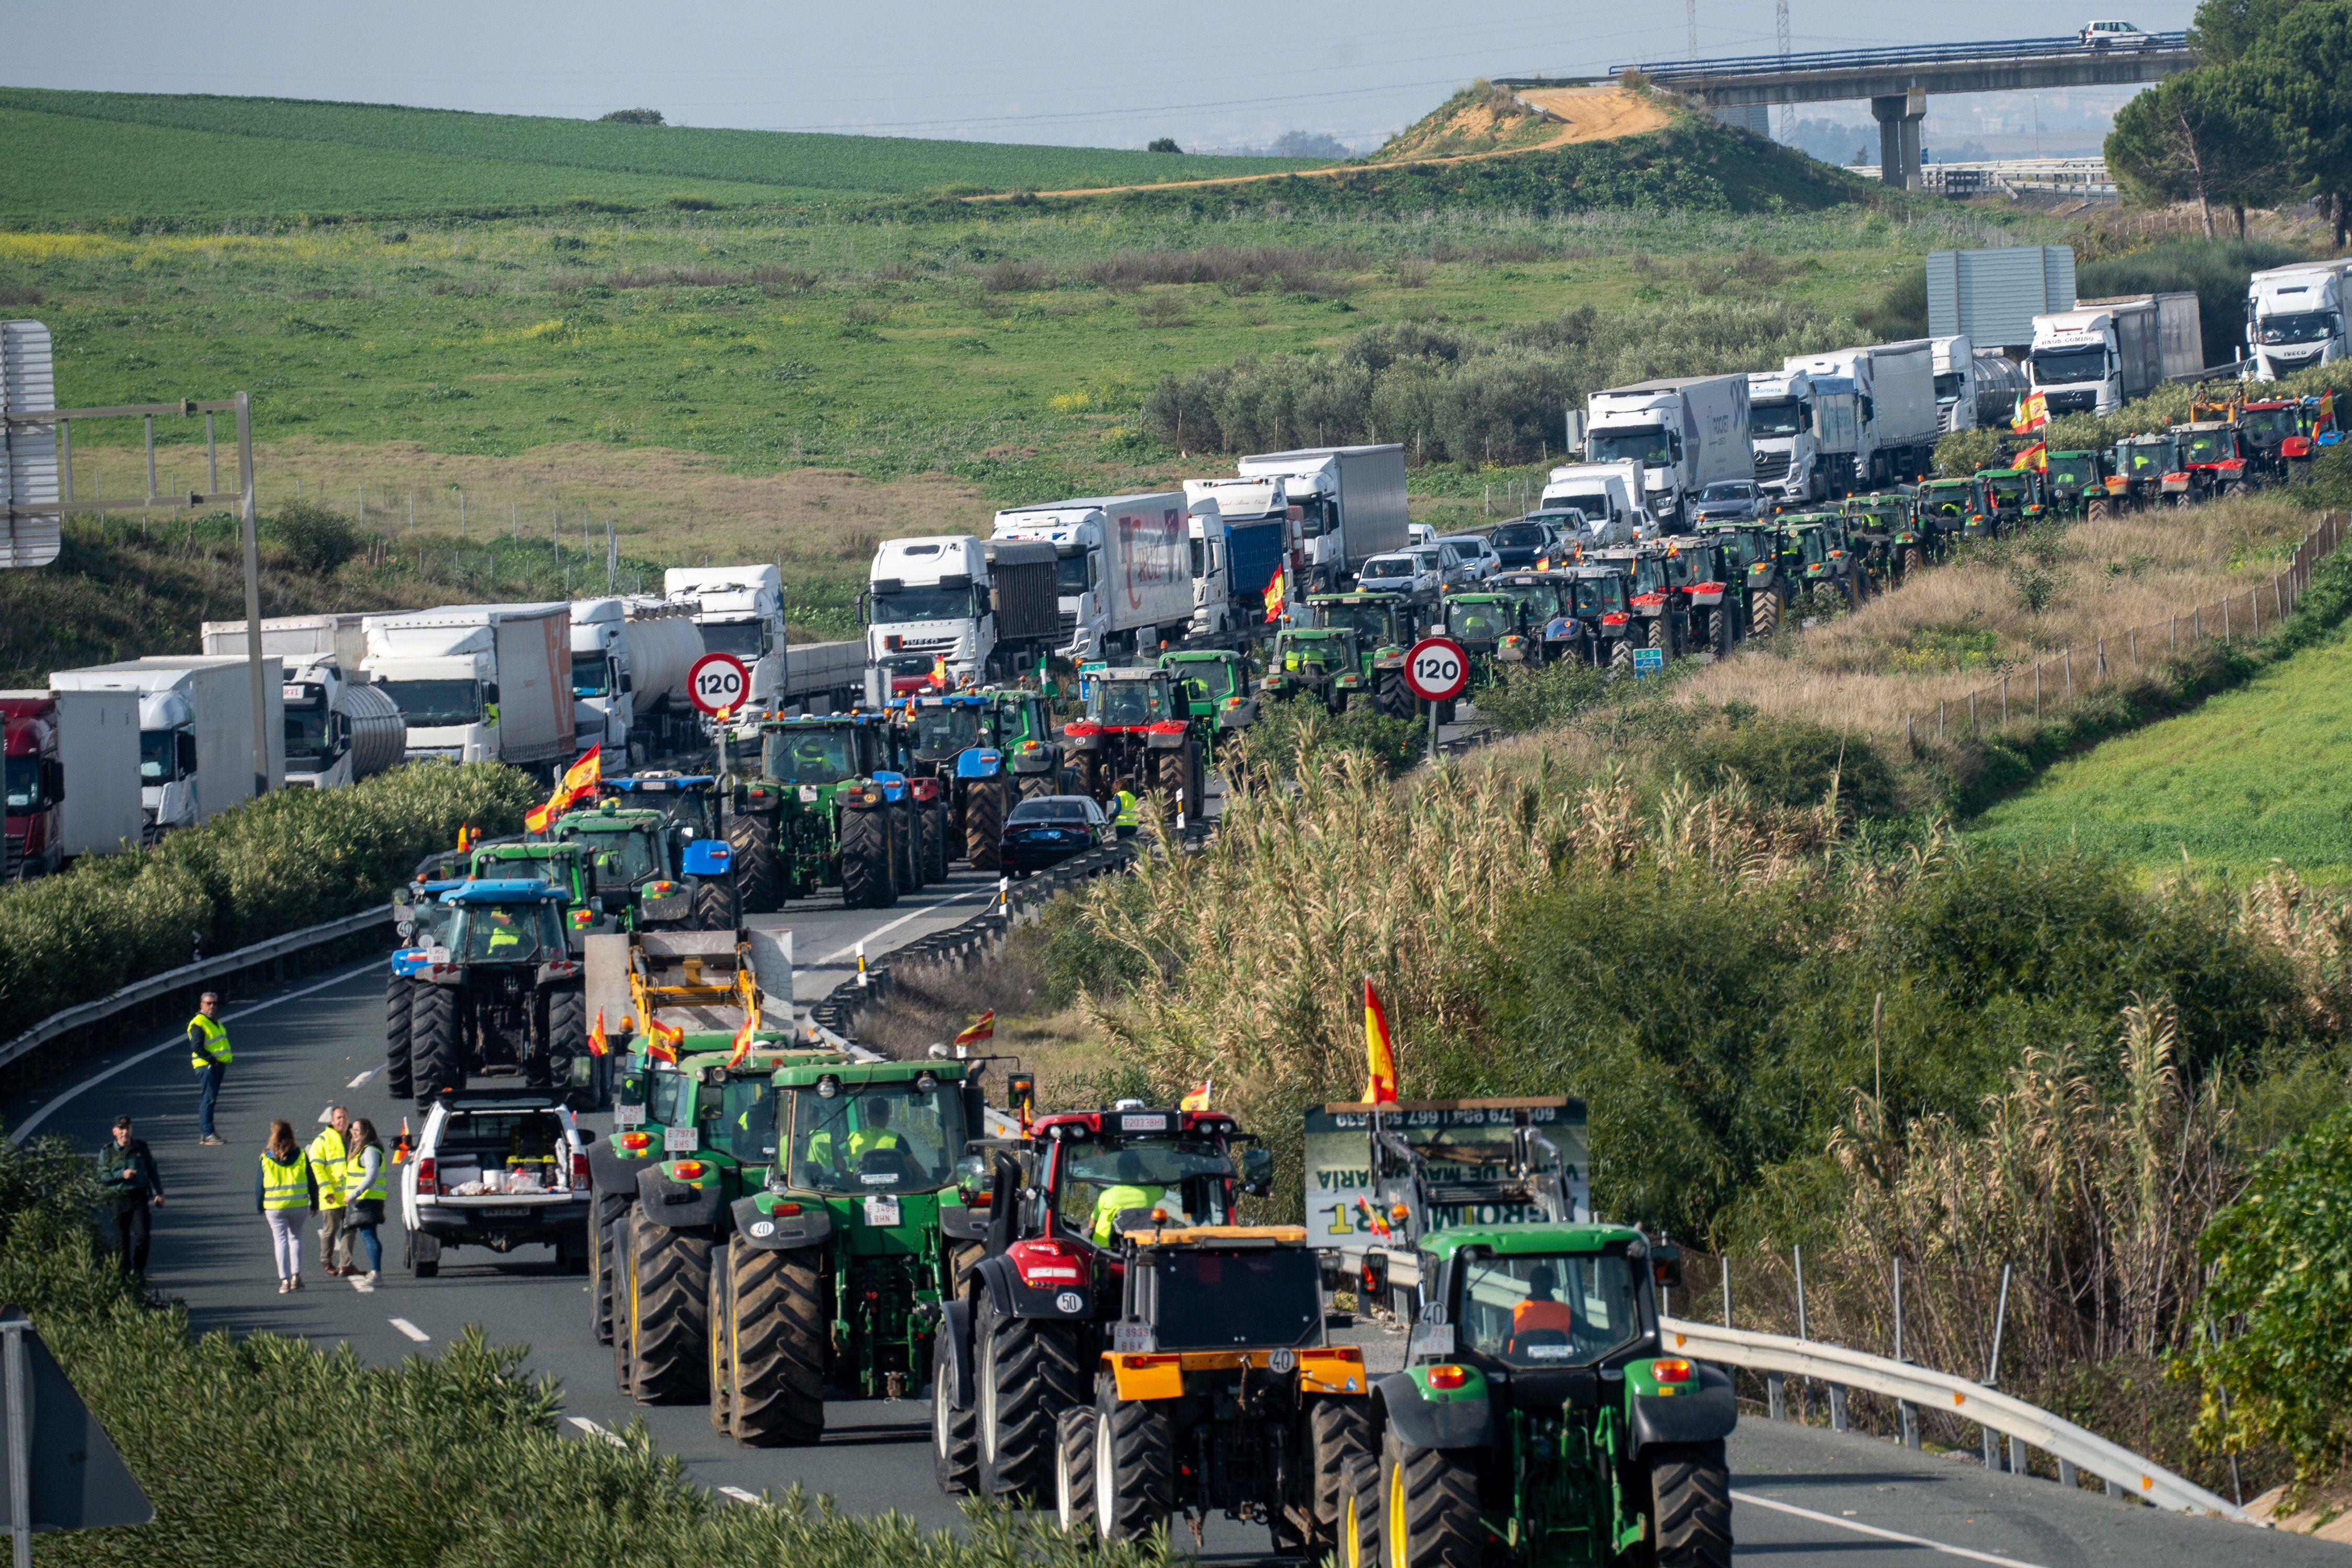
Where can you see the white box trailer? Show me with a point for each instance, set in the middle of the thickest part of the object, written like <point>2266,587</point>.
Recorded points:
<point>1894,416</point>
<point>97,752</point>
<point>301,639</point>
<point>1123,568</point>
<point>1351,507</point>
<point>1687,432</point>
<point>479,682</point>
<point>196,725</point>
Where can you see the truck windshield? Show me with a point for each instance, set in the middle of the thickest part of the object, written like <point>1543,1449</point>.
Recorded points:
<point>159,755</point>
<point>1560,1311</point>
<point>808,756</point>
<point>943,732</point>
<point>2303,327</point>
<point>1128,702</point>
<point>923,603</point>
<point>619,857</point>
<point>24,783</point>
<point>745,640</point>
<point>1949,388</point>
<point>742,1121</point>
<point>1072,573</point>
<point>2059,367</point>
<point>592,674</point>
<point>1644,444</point>
<point>435,704</point>
<point>877,1138</point>
<point>1782,416</point>
<point>306,738</point>
<point>509,933</point>
<point>1217,1301</point>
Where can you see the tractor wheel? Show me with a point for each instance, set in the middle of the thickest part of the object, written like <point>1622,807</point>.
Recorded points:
<point>936,843</point>
<point>955,1434</point>
<point>719,1382</point>
<point>1171,776</point>
<point>2183,501</point>
<point>866,881</point>
<point>1429,1507</point>
<point>714,904</point>
<point>399,994</point>
<point>1135,1467</point>
<point>617,1246</point>
<point>1339,1433</point>
<point>752,843</point>
<point>1722,628</point>
<point>904,865</point>
<point>1360,1515</point>
<point>607,1210</point>
<point>1660,633</point>
<point>1088,768</point>
<point>1392,696</point>
<point>1768,615</point>
<point>1910,562</point>
<point>1027,1370</point>
<point>567,1034</point>
<point>776,1333</point>
<point>983,823</point>
<point>1035,787</point>
<point>436,1045</point>
<point>2098,510</point>
<point>668,1291</point>
<point>1690,1514</point>
<point>1073,1473</point>
<point>1621,656</point>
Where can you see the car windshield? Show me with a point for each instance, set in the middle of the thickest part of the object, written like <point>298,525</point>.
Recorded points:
<point>926,603</point>
<point>1519,536</point>
<point>741,638</point>
<point>1218,1300</point>
<point>2058,367</point>
<point>809,755</point>
<point>24,783</point>
<point>1644,444</point>
<point>947,729</point>
<point>877,1138</point>
<point>1729,490</point>
<point>1781,417</point>
<point>1597,595</point>
<point>509,933</point>
<point>619,856</point>
<point>1479,623</point>
<point>306,737</point>
<point>1535,1310</point>
<point>592,674</point>
<point>1129,702</point>
<point>435,704</point>
<point>2302,327</point>
<point>741,1118</point>
<point>1591,503</point>
<point>1390,566</point>
<point>1051,808</point>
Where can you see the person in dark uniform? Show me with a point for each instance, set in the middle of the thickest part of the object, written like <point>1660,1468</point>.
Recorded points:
<point>126,1173</point>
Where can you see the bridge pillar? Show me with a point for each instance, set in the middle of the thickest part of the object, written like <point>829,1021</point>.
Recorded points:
<point>1898,116</point>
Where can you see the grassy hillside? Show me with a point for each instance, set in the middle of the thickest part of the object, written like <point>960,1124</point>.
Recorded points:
<point>171,160</point>
<point>2255,775</point>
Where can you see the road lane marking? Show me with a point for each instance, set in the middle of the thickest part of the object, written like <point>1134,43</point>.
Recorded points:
<point>25,1129</point>
<point>596,1431</point>
<point>851,950</point>
<point>362,1078</point>
<point>738,1494</point>
<point>412,1331</point>
<point>1872,1529</point>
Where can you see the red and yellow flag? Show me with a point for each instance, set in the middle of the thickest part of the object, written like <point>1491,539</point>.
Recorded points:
<point>2036,456</point>
<point>1199,1099</point>
<point>581,778</point>
<point>1275,592</point>
<point>1380,1052</point>
<point>463,843</point>
<point>940,680</point>
<point>598,1046</point>
<point>741,1045</point>
<point>980,1031</point>
<point>537,819</point>
<point>2032,413</point>
<point>663,1041</point>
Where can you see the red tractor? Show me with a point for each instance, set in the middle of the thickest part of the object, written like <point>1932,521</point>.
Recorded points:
<point>1138,726</point>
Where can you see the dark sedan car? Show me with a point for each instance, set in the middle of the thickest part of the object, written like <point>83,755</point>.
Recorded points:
<point>1051,829</point>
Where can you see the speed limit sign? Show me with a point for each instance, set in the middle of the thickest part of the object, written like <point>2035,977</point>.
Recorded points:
<point>718,682</point>
<point>1437,669</point>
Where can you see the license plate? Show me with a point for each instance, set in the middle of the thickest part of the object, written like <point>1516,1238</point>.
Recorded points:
<point>808,795</point>
<point>518,1212</point>
<point>1130,1124</point>
<point>881,1211</point>
<point>1130,1338</point>
<point>628,1116</point>
<point>681,1140</point>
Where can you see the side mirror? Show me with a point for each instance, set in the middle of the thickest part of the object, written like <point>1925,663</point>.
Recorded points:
<point>1257,1173</point>
<point>628,681</point>
<point>184,752</point>
<point>53,781</point>
<point>1666,1264</point>
<point>491,692</point>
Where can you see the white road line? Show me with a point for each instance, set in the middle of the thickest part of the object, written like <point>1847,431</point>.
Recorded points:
<point>596,1431</point>
<point>738,1494</point>
<point>26,1128</point>
<point>851,950</point>
<point>1873,1529</point>
<point>412,1331</point>
<point>362,1077</point>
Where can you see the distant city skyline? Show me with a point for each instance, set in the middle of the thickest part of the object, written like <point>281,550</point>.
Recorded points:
<point>1042,71</point>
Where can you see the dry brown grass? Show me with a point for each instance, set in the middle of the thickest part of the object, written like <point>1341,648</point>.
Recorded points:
<point>931,1003</point>
<point>1961,626</point>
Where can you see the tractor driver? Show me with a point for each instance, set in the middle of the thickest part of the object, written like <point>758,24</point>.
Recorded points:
<point>1541,1312</point>
<point>873,1135</point>
<point>506,939</point>
<point>1130,1192</point>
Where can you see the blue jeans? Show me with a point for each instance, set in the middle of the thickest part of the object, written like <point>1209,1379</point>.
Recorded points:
<point>208,1082</point>
<point>369,1247</point>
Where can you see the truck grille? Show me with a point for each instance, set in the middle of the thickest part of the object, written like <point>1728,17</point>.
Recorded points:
<point>1069,626</point>
<point>2072,402</point>
<point>1772,464</point>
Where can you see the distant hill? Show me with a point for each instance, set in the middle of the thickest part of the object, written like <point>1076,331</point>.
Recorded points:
<point>141,160</point>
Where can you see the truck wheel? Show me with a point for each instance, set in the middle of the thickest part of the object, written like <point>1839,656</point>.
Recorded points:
<point>751,841</point>
<point>777,1328</point>
<point>436,1044</point>
<point>567,1034</point>
<point>936,842</point>
<point>983,823</point>
<point>955,1434</point>
<point>1360,1515</point>
<point>714,904</point>
<point>1392,696</point>
<point>866,881</point>
<point>399,993</point>
<point>1690,1492</point>
<point>1340,1434</point>
<point>669,1286</point>
<point>1073,1473</point>
<point>1027,1371</point>
<point>1135,1467</point>
<point>1429,1507</point>
<point>1768,615</point>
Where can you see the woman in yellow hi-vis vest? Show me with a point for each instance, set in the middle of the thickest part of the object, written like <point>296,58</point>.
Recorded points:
<point>284,1189</point>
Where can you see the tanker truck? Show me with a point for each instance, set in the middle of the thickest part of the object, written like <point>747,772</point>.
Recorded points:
<point>339,728</point>
<point>629,663</point>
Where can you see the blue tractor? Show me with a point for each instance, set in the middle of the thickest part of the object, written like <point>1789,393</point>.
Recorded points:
<point>492,990</point>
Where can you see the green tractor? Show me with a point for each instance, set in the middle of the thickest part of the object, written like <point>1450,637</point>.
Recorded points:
<point>1954,508</point>
<point>647,872</point>
<point>2077,485</point>
<point>1482,623</point>
<point>1754,583</point>
<point>1215,683</point>
<point>1879,524</point>
<point>560,865</point>
<point>2015,495</point>
<point>1325,663</point>
<point>1024,726</point>
<point>1823,568</point>
<point>826,810</point>
<point>1386,626</point>
<point>951,740</point>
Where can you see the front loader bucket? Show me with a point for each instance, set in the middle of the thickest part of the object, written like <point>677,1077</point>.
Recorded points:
<point>708,982</point>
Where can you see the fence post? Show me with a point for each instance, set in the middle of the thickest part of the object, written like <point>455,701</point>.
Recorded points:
<point>2173,640</point>
<point>2004,700</point>
<point>2037,690</point>
<point>2132,635</point>
<point>1909,1412</point>
<point>2197,623</point>
<point>1972,712</point>
<point>2070,675</point>
<point>1907,731</point>
<point>2100,671</point>
<point>1940,719</point>
<point>2225,617</point>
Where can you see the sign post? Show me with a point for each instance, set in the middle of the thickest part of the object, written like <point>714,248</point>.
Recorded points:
<point>1437,671</point>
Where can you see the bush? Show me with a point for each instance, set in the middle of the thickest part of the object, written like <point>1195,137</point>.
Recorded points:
<point>633,117</point>
<point>1291,735</point>
<point>317,540</point>
<point>1163,144</point>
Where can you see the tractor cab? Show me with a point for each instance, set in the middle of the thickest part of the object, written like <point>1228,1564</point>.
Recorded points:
<point>2015,494</point>
<point>1378,620</point>
<point>936,730</point>
<point>1325,662</point>
<point>2074,479</point>
<point>1215,683</point>
<point>1483,622</point>
<point>1952,506</point>
<point>2213,456</point>
<point>2147,469</point>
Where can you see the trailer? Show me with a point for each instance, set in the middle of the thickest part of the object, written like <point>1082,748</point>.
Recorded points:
<point>2104,353</point>
<point>1687,432</point>
<point>1123,572</point>
<point>195,732</point>
<point>1893,421</point>
<point>1351,507</point>
<point>339,729</point>
<point>828,673</point>
<point>629,663</point>
<point>1242,532</point>
<point>479,682</point>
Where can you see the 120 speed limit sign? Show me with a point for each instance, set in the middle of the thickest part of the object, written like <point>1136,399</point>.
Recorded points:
<point>719,683</point>
<point>1437,669</point>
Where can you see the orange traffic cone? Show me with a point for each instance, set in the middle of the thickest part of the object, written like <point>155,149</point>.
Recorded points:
<point>402,1148</point>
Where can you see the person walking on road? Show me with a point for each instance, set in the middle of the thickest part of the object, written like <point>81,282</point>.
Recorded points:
<point>282,1188</point>
<point>326,1153</point>
<point>363,1190</point>
<point>127,1172</point>
<point>208,1053</point>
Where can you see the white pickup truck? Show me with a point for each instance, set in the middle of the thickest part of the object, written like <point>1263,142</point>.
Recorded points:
<point>497,1168</point>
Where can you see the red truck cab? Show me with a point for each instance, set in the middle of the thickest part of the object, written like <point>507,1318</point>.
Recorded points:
<point>36,780</point>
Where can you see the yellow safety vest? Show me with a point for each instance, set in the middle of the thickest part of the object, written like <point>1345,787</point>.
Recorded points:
<point>866,1139</point>
<point>285,1186</point>
<point>1115,1199</point>
<point>1127,810</point>
<point>326,1156</point>
<point>353,1170</point>
<point>216,1036</point>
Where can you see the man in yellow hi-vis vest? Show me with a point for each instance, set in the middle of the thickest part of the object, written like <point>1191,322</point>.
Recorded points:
<point>327,1154</point>
<point>1126,818</point>
<point>208,1053</point>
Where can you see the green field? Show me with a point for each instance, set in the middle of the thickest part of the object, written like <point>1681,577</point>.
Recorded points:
<point>2260,774</point>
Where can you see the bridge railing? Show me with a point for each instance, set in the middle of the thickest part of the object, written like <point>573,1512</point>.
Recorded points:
<point>1669,71</point>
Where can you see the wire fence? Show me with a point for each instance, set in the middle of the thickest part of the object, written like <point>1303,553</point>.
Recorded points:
<point>2040,688</point>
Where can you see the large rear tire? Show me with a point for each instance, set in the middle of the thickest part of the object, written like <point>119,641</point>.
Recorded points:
<point>955,1432</point>
<point>1027,1372</point>
<point>1392,696</point>
<point>669,1289</point>
<point>1767,618</point>
<point>1360,1515</point>
<point>1135,1467</point>
<point>617,1287</point>
<point>1036,786</point>
<point>399,995</point>
<point>936,842</point>
<point>436,1045</point>
<point>1429,1508</point>
<point>751,843</point>
<point>905,870</point>
<point>603,1269</point>
<point>714,904</point>
<point>567,1034</point>
<point>1339,1432</point>
<point>983,823</point>
<point>1690,1494</point>
<point>1620,656</point>
<point>776,1327</point>
<point>719,1332</point>
<point>1073,1473</point>
<point>867,879</point>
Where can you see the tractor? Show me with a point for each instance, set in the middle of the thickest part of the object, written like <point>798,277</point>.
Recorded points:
<point>1138,727</point>
<point>2076,485</point>
<point>1025,733</point>
<point>950,740</point>
<point>1482,623</point>
<point>647,872</point>
<point>1955,508</point>
<point>1386,626</point>
<point>1880,525</point>
<point>495,991</point>
<point>2013,497</point>
<point>1215,683</point>
<point>1660,619</point>
<point>2148,472</point>
<point>825,810</point>
<point>1822,568</point>
<point>1697,575</point>
<point>2277,450</point>
<point>1602,607</point>
<point>1325,662</point>
<point>1754,583</point>
<point>2213,456</point>
<point>1547,601</point>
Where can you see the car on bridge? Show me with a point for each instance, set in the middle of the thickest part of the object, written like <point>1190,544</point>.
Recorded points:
<point>2112,35</point>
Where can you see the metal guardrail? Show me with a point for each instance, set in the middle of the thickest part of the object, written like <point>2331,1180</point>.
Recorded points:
<point>171,980</point>
<point>2067,47</point>
<point>2073,1448</point>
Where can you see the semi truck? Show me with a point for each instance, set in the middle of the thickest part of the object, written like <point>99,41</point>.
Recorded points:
<point>1687,432</point>
<point>2100,356</point>
<point>1122,569</point>
<point>73,776</point>
<point>740,610</point>
<point>629,663</point>
<point>339,729</point>
<point>985,608</point>
<point>1974,387</point>
<point>1242,536</point>
<point>1877,412</point>
<point>479,683</point>
<point>830,673</point>
<point>1351,502</point>
<point>2294,317</point>
<point>195,732</point>
<point>1783,418</point>
<point>1609,494</point>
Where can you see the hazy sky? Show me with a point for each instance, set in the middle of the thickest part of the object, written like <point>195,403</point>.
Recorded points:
<point>1209,73</point>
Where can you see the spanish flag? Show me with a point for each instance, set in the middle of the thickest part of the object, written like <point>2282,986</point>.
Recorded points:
<point>940,672</point>
<point>1380,1053</point>
<point>598,1046</point>
<point>1276,593</point>
<point>2032,413</point>
<point>982,1030</point>
<point>537,819</point>
<point>2036,456</point>
<point>1199,1099</point>
<point>581,778</point>
<point>663,1041</point>
<point>742,1045</point>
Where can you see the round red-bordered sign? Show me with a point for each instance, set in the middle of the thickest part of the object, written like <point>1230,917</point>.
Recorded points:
<point>1437,669</point>
<point>718,682</point>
